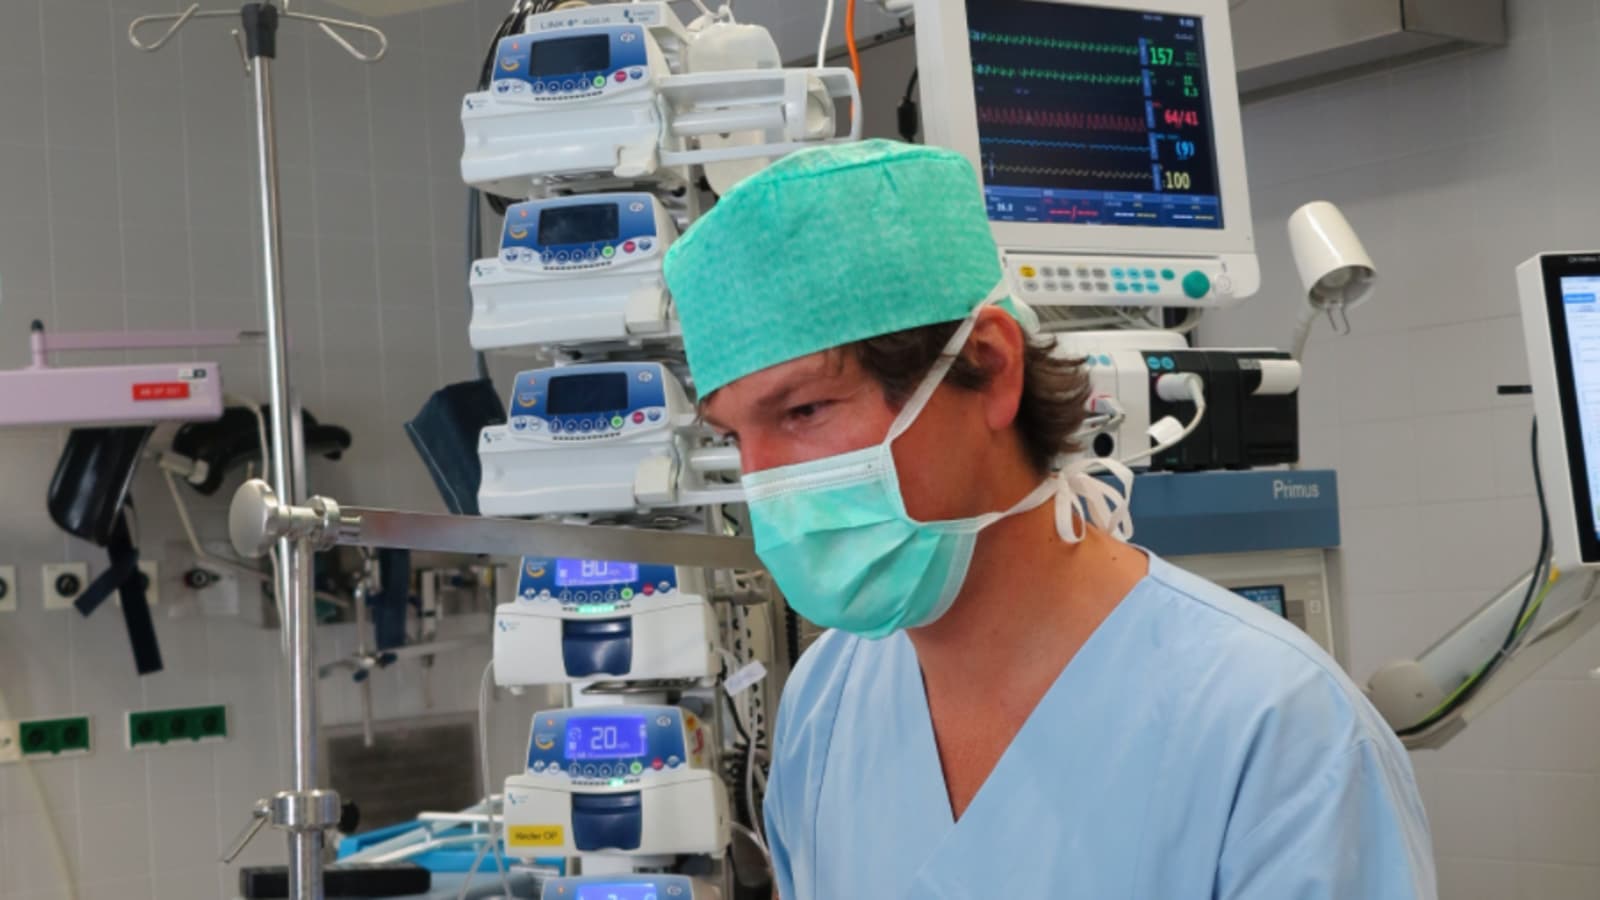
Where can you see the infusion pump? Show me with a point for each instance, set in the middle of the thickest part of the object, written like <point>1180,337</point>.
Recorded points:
<point>628,887</point>
<point>579,619</point>
<point>575,270</point>
<point>630,780</point>
<point>597,438</point>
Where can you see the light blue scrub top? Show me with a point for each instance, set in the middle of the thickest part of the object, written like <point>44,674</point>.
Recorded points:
<point>1196,747</point>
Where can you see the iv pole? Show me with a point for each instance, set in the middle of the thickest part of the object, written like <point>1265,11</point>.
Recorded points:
<point>304,812</point>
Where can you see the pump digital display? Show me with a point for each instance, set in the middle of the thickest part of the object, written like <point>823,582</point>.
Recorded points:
<point>599,392</point>
<point>1093,116</point>
<point>569,56</point>
<point>617,892</point>
<point>584,224</point>
<point>1269,597</point>
<point>590,572</point>
<point>607,737</point>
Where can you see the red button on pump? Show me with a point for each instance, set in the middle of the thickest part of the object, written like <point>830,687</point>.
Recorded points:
<point>638,417</point>
<point>655,764</point>
<point>649,589</point>
<point>629,247</point>
<point>622,76</point>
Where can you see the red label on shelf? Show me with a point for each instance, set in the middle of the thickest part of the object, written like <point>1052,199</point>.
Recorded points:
<point>161,390</point>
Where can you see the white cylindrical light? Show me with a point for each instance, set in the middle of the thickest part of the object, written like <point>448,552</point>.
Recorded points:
<point>1334,268</point>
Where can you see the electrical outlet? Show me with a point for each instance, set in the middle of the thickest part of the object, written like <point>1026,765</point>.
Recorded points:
<point>157,727</point>
<point>152,583</point>
<point>63,582</point>
<point>10,741</point>
<point>54,737</point>
<point>8,589</point>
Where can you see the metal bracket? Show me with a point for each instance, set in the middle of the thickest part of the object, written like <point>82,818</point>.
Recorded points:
<point>289,811</point>
<point>257,519</point>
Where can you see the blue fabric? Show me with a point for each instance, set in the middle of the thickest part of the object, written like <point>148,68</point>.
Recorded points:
<point>825,247</point>
<point>1196,748</point>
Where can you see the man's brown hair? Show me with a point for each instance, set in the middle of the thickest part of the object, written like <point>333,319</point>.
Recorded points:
<point>1054,389</point>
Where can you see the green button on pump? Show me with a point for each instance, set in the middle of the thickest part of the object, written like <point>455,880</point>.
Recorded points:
<point>1196,285</point>
<point>627,593</point>
<point>608,252</point>
<point>616,421</point>
<point>599,81</point>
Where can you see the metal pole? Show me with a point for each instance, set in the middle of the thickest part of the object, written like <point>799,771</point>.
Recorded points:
<point>293,570</point>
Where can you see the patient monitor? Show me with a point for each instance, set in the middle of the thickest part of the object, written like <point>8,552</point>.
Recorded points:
<point>1560,295</point>
<point>1108,141</point>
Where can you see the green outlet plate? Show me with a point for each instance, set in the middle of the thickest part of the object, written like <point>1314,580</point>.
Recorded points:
<point>157,727</point>
<point>53,737</point>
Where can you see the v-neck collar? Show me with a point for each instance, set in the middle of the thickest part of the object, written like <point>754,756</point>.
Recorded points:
<point>924,746</point>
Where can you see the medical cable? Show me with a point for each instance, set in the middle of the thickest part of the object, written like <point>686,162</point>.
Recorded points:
<point>1542,580</point>
<point>746,732</point>
<point>261,429</point>
<point>1197,396</point>
<point>475,247</point>
<point>827,26</point>
<point>850,39</point>
<point>908,118</point>
<point>239,567</point>
<point>59,856</point>
<point>488,794</point>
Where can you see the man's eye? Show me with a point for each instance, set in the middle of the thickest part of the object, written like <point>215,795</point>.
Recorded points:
<point>806,410</point>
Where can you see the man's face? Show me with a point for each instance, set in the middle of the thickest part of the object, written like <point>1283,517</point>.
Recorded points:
<point>826,404</point>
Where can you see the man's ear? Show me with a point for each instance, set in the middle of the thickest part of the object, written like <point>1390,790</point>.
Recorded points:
<point>999,349</point>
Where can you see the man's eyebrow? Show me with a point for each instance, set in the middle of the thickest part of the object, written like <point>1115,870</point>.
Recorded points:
<point>780,395</point>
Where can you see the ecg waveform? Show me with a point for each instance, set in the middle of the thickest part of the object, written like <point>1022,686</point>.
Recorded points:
<point>1066,145</point>
<point>1058,172</point>
<point>1044,43</point>
<point>1045,118</point>
<point>1096,78</point>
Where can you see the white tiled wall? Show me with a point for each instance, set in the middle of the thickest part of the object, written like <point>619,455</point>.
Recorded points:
<point>127,200</point>
<point>1453,171</point>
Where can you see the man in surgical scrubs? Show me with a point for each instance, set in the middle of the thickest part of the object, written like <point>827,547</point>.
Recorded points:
<point>1013,702</point>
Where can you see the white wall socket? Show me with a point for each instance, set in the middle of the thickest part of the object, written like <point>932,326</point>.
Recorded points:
<point>57,576</point>
<point>10,741</point>
<point>8,588</point>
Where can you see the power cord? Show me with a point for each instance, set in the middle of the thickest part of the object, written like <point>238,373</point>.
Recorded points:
<point>488,796</point>
<point>910,118</point>
<point>1539,585</point>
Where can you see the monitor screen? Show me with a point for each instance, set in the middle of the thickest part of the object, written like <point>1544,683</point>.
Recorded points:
<point>617,892</point>
<point>598,392</point>
<point>570,56</point>
<point>584,224</point>
<point>1268,596</point>
<point>588,572</point>
<point>1088,115</point>
<point>607,737</point>
<point>1580,308</point>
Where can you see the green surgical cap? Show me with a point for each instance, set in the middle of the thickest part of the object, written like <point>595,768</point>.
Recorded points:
<point>826,247</point>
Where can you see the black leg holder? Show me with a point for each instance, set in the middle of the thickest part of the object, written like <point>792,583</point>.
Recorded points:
<point>124,577</point>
